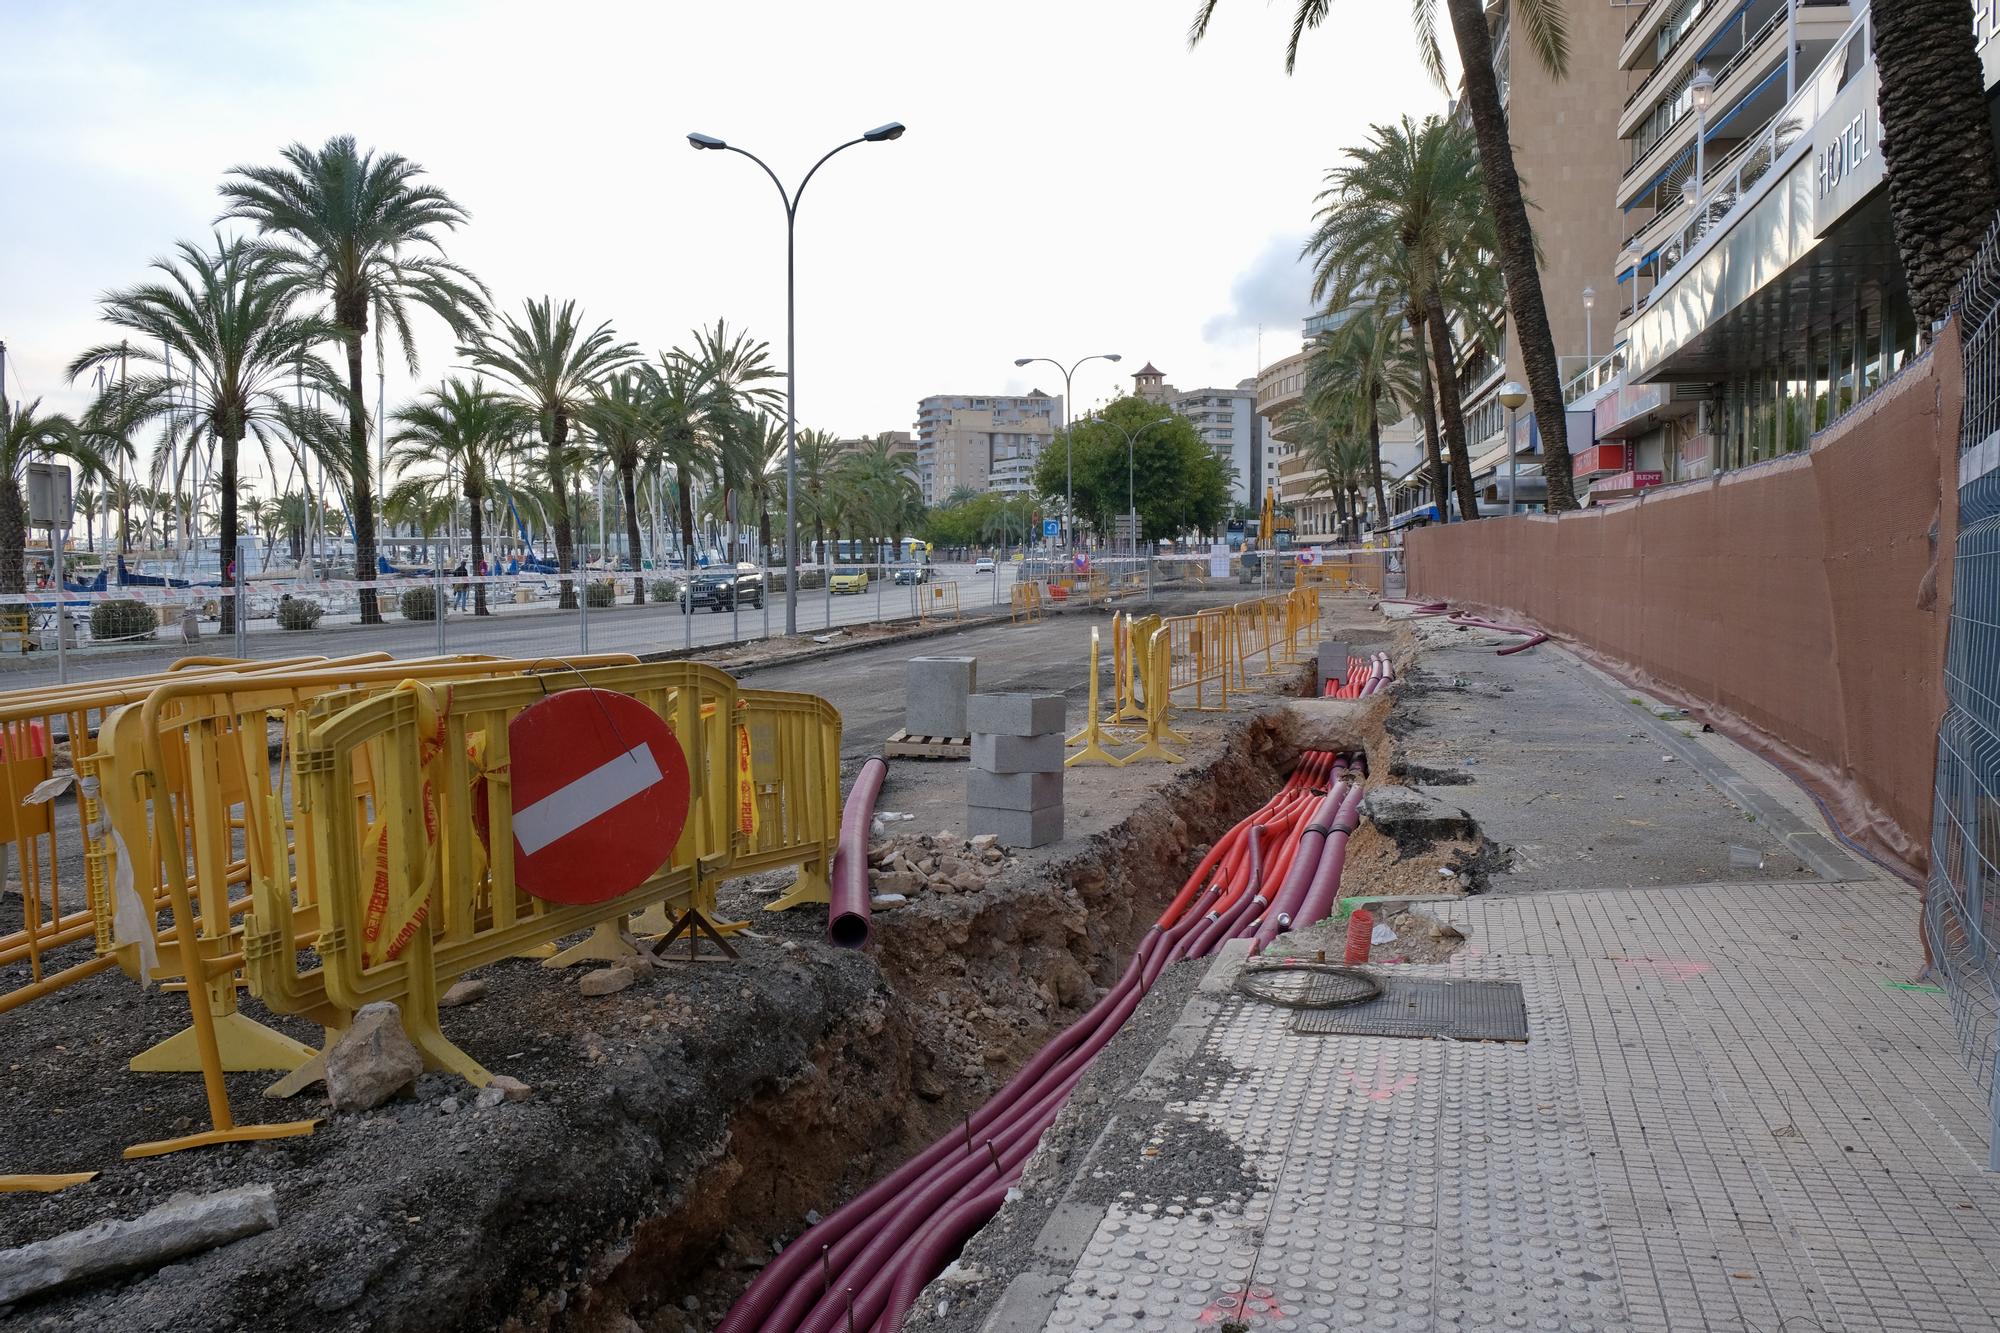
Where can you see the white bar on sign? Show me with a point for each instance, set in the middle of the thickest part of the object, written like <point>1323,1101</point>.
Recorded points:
<point>569,807</point>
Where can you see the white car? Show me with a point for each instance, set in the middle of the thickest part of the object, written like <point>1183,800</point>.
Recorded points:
<point>983,565</point>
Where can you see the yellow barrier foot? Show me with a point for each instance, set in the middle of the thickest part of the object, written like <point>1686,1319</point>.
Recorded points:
<point>289,1129</point>
<point>43,1184</point>
<point>1093,753</point>
<point>1152,749</point>
<point>244,1044</point>
<point>309,1073</point>
<point>538,952</point>
<point>806,891</point>
<point>606,943</point>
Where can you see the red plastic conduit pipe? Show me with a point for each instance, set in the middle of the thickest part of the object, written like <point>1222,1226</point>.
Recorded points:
<point>848,924</point>
<point>1533,636</point>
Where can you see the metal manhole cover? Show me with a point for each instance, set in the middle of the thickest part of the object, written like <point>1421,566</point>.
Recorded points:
<point>1456,1008</point>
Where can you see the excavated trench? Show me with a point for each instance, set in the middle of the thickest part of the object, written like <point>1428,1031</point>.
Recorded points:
<point>969,987</point>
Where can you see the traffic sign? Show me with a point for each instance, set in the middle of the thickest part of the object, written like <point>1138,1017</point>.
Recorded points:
<point>600,795</point>
<point>1052,527</point>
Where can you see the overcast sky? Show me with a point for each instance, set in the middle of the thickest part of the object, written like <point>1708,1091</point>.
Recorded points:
<point>1074,179</point>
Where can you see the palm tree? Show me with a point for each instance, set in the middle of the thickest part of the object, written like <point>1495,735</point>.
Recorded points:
<point>735,368</point>
<point>765,476</point>
<point>1392,227</point>
<point>1943,182</point>
<point>554,366</point>
<point>359,227</point>
<point>233,317</point>
<point>818,454</point>
<point>25,433</point>
<point>884,495</point>
<point>123,495</point>
<point>680,407</point>
<point>1367,369</point>
<point>1541,27</point>
<point>468,430</point>
<point>620,415</point>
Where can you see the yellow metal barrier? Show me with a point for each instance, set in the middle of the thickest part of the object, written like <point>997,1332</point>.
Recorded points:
<point>1201,656</point>
<point>1025,603</point>
<point>1154,650</point>
<point>1094,735</point>
<point>937,601</point>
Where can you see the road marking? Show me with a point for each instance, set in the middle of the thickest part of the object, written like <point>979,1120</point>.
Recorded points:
<point>597,792</point>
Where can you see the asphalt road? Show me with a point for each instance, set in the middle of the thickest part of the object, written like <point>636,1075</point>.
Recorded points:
<point>539,629</point>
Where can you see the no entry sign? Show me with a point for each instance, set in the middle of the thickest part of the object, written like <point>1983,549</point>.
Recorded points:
<point>600,795</point>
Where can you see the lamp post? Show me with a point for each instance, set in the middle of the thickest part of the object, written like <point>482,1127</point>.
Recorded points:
<point>880,134</point>
<point>1131,491</point>
<point>1512,395</point>
<point>1589,302</point>
<point>1702,88</point>
<point>1069,454</point>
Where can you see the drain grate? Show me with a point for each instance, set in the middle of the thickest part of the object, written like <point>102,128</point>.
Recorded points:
<point>1457,1008</point>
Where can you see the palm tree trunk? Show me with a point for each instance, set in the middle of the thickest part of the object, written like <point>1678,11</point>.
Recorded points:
<point>1943,182</point>
<point>477,522</point>
<point>13,539</point>
<point>687,517</point>
<point>1516,240</point>
<point>361,473</point>
<point>228,525</point>
<point>1375,446</point>
<point>1434,458</point>
<point>1446,362</point>
<point>764,528</point>
<point>628,485</point>
<point>559,488</point>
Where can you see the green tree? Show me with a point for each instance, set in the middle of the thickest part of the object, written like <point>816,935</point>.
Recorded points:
<point>680,403</point>
<point>231,315</point>
<point>26,432</point>
<point>620,414</point>
<point>819,454</point>
<point>362,228</point>
<point>881,492</point>
<point>468,430</point>
<point>1178,484</point>
<point>1367,371</point>
<point>1539,27</point>
<point>555,367</point>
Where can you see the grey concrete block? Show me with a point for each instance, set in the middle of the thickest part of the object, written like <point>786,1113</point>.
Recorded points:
<point>1015,828</point>
<point>1014,714</point>
<point>934,695</point>
<point>1332,661</point>
<point>1025,792</point>
<point>1018,754</point>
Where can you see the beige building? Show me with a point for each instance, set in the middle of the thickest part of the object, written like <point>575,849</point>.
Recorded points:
<point>902,444</point>
<point>982,443</point>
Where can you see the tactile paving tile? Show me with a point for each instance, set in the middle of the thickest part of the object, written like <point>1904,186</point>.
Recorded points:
<point>1458,1008</point>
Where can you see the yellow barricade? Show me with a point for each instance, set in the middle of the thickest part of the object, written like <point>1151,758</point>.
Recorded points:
<point>937,601</point>
<point>1154,651</point>
<point>1095,735</point>
<point>1200,656</point>
<point>1025,603</point>
<point>62,847</point>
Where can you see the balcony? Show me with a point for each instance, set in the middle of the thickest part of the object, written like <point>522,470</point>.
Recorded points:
<point>1749,90</point>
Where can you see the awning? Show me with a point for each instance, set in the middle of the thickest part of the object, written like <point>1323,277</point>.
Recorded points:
<point>1421,514</point>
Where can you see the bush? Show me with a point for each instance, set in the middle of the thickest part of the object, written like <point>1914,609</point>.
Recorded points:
<point>418,604</point>
<point>299,613</point>
<point>664,590</point>
<point>601,592</point>
<point>122,620</point>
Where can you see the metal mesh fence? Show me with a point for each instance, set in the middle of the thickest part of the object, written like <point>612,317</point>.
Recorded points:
<point>1962,914</point>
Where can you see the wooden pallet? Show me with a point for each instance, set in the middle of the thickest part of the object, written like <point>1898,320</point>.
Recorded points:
<point>903,745</point>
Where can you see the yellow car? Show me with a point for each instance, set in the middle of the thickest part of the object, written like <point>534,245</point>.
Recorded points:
<point>848,580</point>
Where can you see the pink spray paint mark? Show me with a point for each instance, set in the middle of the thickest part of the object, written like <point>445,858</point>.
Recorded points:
<point>1679,969</point>
<point>1373,1085</point>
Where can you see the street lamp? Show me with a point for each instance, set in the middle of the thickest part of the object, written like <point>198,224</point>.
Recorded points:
<point>1589,301</point>
<point>1702,88</point>
<point>880,134</point>
<point>1131,444</point>
<point>1069,453</point>
<point>1512,395</point>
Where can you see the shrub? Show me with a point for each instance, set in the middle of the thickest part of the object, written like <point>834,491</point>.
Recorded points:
<point>664,590</point>
<point>122,620</point>
<point>601,592</point>
<point>418,603</point>
<point>299,613</point>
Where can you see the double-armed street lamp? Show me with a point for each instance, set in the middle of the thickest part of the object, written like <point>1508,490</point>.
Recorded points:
<point>880,134</point>
<point>1069,453</point>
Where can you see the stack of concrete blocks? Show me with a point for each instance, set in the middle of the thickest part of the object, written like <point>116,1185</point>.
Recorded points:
<point>1332,663</point>
<point>934,702</point>
<point>1015,788</point>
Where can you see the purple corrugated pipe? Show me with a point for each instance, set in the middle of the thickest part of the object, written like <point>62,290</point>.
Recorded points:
<point>1304,862</point>
<point>1325,889</point>
<point>847,921</point>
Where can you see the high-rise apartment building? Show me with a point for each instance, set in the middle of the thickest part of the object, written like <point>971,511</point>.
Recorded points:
<point>902,444</point>
<point>982,443</point>
<point>1227,421</point>
<point>1764,292</point>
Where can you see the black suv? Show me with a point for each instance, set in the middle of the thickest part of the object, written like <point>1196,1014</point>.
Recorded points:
<point>720,589</point>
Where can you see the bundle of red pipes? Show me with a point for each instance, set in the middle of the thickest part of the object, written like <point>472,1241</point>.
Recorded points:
<point>1365,676</point>
<point>864,1266</point>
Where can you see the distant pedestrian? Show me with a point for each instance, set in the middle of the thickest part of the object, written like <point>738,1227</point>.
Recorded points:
<point>460,590</point>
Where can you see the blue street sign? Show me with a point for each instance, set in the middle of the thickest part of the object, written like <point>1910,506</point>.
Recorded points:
<point>1051,527</point>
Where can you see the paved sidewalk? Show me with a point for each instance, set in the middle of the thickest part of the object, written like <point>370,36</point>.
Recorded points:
<point>1733,1112</point>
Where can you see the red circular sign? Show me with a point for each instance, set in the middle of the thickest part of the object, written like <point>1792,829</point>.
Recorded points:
<point>600,795</point>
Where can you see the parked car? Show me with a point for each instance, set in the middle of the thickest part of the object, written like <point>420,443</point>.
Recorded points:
<point>848,579</point>
<point>915,574</point>
<point>719,588</point>
<point>983,565</point>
